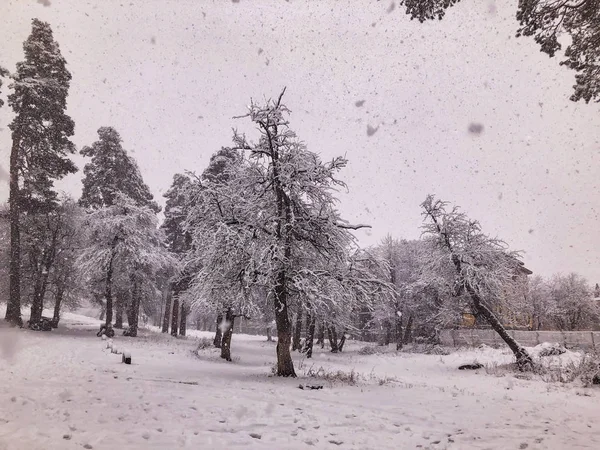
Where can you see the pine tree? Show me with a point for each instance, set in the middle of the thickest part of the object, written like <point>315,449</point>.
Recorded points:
<point>40,140</point>
<point>3,73</point>
<point>178,242</point>
<point>112,171</point>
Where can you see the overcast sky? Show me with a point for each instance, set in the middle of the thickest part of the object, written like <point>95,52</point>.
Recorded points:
<point>169,75</point>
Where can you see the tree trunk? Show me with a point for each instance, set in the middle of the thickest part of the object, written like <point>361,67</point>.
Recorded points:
<point>269,334</point>
<point>133,317</point>
<point>39,291</point>
<point>57,303</point>
<point>408,330</point>
<point>332,335</point>
<point>342,341</point>
<point>119,311</point>
<point>129,307</point>
<point>183,320</point>
<point>321,335</point>
<point>310,335</point>
<point>227,333</point>
<point>218,333</point>
<point>108,289</point>
<point>167,315</point>
<point>398,331</point>
<point>175,315</point>
<point>285,364</point>
<point>524,361</point>
<point>388,333</point>
<point>297,330</point>
<point>13,308</point>
<point>102,313</point>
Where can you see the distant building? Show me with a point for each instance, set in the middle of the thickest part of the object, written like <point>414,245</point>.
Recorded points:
<point>503,311</point>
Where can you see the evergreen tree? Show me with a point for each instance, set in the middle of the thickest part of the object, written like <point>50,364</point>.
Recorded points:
<point>3,73</point>
<point>178,242</point>
<point>40,140</point>
<point>112,171</point>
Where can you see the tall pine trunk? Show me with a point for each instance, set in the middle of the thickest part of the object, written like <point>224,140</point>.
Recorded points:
<point>175,315</point>
<point>408,330</point>
<point>167,315</point>
<point>297,330</point>
<point>218,340</point>
<point>119,310</point>
<point>13,308</point>
<point>227,334</point>
<point>108,290</point>
<point>398,331</point>
<point>183,319</point>
<point>133,317</point>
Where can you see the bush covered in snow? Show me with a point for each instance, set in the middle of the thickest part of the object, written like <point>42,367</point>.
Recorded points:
<point>369,350</point>
<point>427,349</point>
<point>204,343</point>
<point>548,349</point>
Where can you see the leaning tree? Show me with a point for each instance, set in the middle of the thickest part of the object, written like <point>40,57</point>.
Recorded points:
<point>481,266</point>
<point>277,215</point>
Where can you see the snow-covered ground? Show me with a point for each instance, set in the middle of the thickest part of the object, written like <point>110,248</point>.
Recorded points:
<point>65,390</point>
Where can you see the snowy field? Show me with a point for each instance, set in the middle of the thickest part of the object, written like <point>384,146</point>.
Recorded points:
<point>65,390</point>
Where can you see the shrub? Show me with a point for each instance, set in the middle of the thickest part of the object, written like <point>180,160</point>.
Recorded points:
<point>204,343</point>
<point>334,376</point>
<point>369,350</point>
<point>548,349</point>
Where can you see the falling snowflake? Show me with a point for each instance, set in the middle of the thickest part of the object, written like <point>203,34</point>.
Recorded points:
<point>371,130</point>
<point>475,128</point>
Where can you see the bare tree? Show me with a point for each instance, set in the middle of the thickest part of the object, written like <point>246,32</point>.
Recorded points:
<point>572,304</point>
